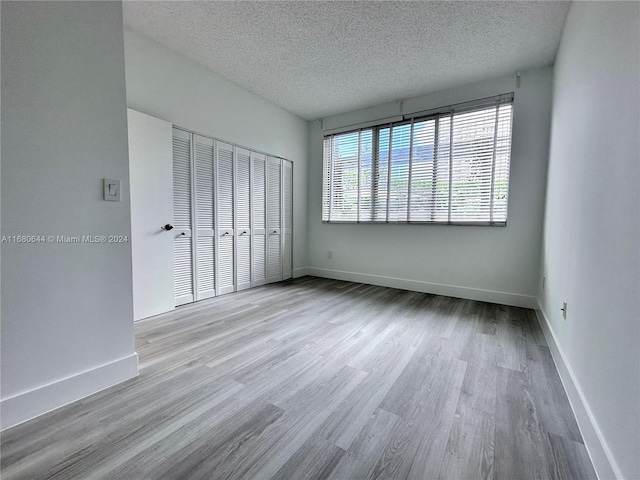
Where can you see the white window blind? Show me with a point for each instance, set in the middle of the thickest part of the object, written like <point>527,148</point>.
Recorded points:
<point>447,166</point>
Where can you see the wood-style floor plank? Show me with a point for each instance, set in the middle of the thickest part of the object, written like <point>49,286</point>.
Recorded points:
<point>519,446</point>
<point>471,445</point>
<point>552,405</point>
<point>315,459</point>
<point>570,459</point>
<point>315,379</point>
<point>367,448</point>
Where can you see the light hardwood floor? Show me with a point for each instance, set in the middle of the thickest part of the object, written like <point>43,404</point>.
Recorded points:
<point>323,379</point>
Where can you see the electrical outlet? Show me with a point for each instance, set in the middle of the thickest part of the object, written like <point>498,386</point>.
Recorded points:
<point>564,310</point>
<point>330,255</point>
<point>544,281</point>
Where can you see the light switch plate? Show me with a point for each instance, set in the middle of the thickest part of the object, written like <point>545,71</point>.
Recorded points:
<point>111,189</point>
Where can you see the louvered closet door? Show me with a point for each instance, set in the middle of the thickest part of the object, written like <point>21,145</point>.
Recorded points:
<point>287,218</point>
<point>204,216</point>
<point>258,219</point>
<point>243,219</point>
<point>274,213</point>
<point>224,218</point>
<point>182,219</point>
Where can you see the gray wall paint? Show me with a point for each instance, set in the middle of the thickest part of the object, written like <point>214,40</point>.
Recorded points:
<point>66,308</point>
<point>591,249</point>
<point>171,87</point>
<point>474,261</point>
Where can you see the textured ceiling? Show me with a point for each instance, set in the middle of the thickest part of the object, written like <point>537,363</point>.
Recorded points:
<point>317,58</point>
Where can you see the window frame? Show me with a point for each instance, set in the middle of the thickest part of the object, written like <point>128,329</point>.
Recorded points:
<point>450,112</point>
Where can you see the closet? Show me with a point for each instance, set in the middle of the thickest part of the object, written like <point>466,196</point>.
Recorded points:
<point>232,217</point>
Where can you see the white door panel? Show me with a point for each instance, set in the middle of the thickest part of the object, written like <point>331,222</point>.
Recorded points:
<point>225,217</point>
<point>243,218</point>
<point>258,219</point>
<point>204,217</point>
<point>182,218</point>
<point>151,187</point>
<point>274,220</point>
<point>287,218</point>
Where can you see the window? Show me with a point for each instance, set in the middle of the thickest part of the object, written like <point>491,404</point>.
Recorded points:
<point>447,166</point>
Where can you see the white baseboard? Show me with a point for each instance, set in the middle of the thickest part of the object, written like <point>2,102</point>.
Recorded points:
<point>299,272</point>
<point>33,403</point>
<point>490,296</point>
<point>601,456</point>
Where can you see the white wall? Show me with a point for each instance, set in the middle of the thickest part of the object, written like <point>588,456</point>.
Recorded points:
<point>169,86</point>
<point>591,249</point>
<point>67,314</point>
<point>487,263</point>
